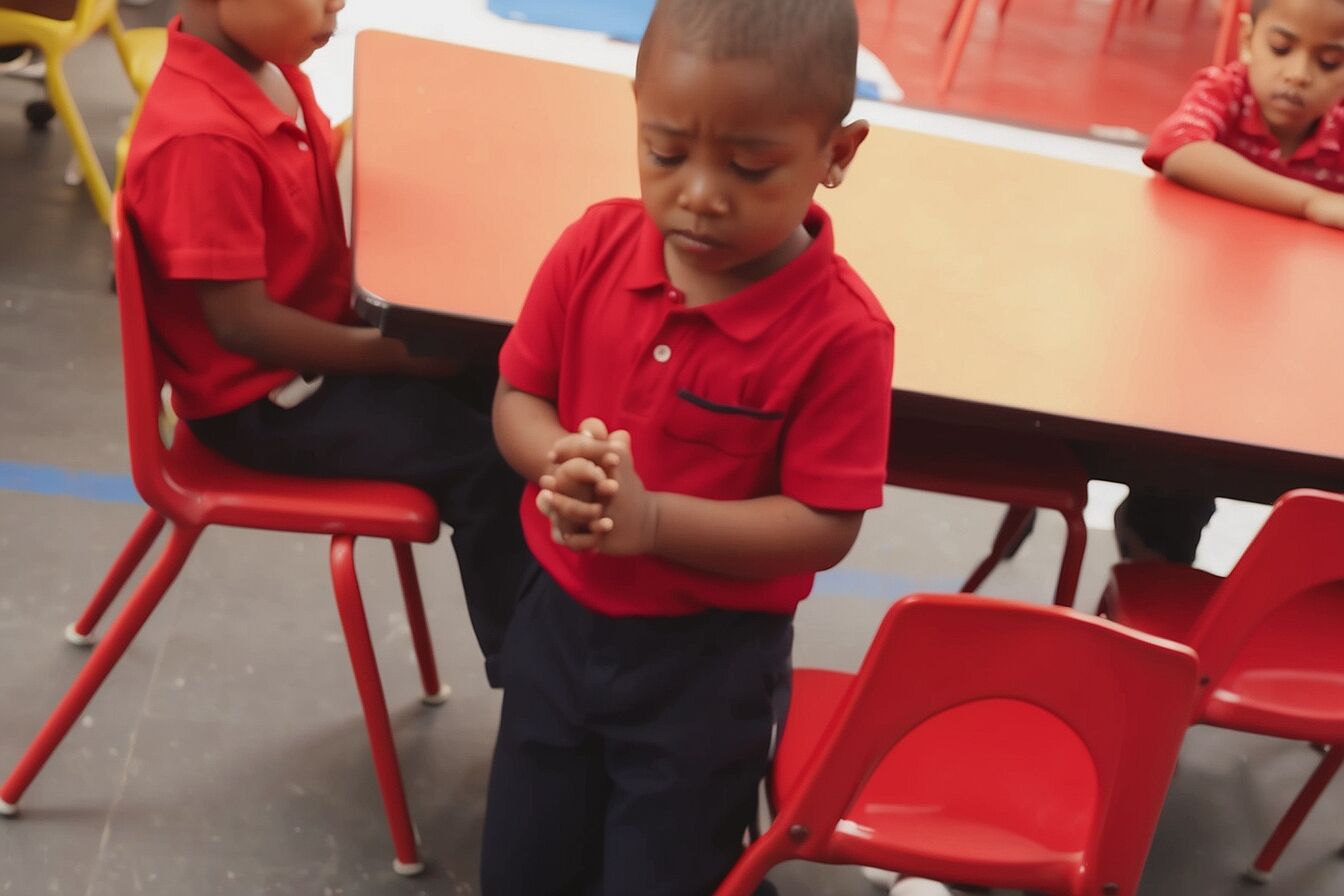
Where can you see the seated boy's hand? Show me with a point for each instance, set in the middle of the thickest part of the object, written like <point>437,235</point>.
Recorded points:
<point>1327,209</point>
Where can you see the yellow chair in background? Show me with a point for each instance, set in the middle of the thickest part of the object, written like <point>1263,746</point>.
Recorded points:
<point>56,37</point>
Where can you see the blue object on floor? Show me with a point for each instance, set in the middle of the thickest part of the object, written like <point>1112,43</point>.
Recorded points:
<point>621,19</point>
<point>41,479</point>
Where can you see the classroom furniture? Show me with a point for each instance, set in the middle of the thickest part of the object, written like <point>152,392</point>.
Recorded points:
<point>33,24</point>
<point>1023,474</point>
<point>987,742</point>
<point>1169,338</point>
<point>190,488</point>
<point>1268,636</point>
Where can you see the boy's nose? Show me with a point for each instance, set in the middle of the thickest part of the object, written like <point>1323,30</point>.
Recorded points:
<point>699,197</point>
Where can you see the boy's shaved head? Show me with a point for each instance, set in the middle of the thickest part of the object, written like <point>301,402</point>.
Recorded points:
<point>813,45</point>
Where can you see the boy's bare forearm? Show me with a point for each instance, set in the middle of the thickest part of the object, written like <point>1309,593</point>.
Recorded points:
<point>758,538</point>
<point>526,428</point>
<point>1221,171</point>
<point>244,320</point>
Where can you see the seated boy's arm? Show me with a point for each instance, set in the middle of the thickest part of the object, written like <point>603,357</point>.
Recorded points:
<point>1219,170</point>
<point>244,320</point>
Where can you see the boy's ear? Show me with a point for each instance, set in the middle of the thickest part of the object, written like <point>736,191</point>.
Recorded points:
<point>843,146</point>
<point>1247,26</point>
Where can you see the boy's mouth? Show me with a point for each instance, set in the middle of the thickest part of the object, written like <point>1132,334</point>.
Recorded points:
<point>1286,100</point>
<point>695,242</point>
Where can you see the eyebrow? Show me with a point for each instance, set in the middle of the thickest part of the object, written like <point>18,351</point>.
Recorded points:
<point>747,140</point>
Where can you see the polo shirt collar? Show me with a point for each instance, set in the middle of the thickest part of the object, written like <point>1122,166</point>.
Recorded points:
<point>193,58</point>
<point>749,312</point>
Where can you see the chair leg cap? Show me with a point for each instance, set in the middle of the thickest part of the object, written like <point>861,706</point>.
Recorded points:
<point>1255,875</point>
<point>75,638</point>
<point>437,699</point>
<point>8,810</point>
<point>407,869</point>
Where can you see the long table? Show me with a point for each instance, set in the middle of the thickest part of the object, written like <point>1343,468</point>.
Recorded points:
<point>1170,337</point>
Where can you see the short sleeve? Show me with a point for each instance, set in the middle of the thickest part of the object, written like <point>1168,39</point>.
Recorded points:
<point>835,447</point>
<point>1206,110</point>
<point>530,358</point>
<point>198,203</point>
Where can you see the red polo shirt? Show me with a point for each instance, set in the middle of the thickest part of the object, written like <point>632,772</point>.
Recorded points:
<point>1220,106</point>
<point>782,388</point>
<point>225,186</point>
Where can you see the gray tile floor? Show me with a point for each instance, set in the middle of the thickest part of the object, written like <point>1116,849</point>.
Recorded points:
<point>226,754</point>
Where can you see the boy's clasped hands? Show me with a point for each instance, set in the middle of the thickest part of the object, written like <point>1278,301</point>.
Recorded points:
<point>593,496</point>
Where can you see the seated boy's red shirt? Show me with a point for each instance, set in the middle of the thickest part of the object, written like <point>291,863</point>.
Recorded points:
<point>223,186</point>
<point>1221,107</point>
<point>782,388</point>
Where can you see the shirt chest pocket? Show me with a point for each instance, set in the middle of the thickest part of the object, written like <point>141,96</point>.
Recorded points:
<point>729,428</point>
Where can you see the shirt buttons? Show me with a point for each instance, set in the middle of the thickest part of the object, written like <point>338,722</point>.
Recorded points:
<point>303,146</point>
<point>674,295</point>
<point>661,353</point>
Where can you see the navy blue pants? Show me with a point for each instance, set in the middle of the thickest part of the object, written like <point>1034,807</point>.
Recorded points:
<point>432,434</point>
<point>630,749</point>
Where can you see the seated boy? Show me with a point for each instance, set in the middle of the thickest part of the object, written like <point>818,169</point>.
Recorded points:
<point>745,372</point>
<point>231,184</point>
<point>1265,131</point>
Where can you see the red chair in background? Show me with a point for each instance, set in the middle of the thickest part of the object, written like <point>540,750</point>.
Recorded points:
<point>1268,636</point>
<point>191,488</point>
<point>1226,46</point>
<point>983,741</point>
<point>1023,473</point>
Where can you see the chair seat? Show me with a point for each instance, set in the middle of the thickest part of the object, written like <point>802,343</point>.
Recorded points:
<point>145,49</point>
<point>997,792</point>
<point>956,460</point>
<point>1287,680</point>
<point>215,491</point>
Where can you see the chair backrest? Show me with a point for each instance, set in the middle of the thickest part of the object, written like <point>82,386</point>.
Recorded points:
<point>1299,549</point>
<point>1127,696</point>
<point>143,385</point>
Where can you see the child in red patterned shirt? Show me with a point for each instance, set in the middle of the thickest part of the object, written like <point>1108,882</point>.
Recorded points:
<point>1266,130</point>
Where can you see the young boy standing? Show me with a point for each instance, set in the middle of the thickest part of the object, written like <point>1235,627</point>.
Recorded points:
<point>1264,131</point>
<point>231,184</point>
<point>745,372</point>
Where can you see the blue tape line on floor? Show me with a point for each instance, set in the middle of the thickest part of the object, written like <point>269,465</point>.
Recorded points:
<point>864,583</point>
<point>621,19</point>
<point>40,479</point>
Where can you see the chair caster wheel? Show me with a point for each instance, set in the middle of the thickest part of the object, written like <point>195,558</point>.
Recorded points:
<point>39,113</point>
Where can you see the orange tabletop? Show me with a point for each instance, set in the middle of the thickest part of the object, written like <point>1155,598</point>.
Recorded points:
<point>1028,293</point>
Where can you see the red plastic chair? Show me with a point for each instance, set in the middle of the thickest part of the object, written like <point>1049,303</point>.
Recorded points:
<point>1268,636</point>
<point>1024,474</point>
<point>983,741</point>
<point>191,488</point>
<point>1226,46</point>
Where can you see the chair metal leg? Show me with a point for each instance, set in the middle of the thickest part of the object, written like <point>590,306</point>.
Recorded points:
<point>81,631</point>
<point>755,863</point>
<point>94,179</point>
<point>365,665</point>
<point>1297,812</point>
<point>965,22</point>
<point>1112,20</point>
<point>435,691</point>
<point>1071,566</point>
<point>1014,521</point>
<point>100,663</point>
